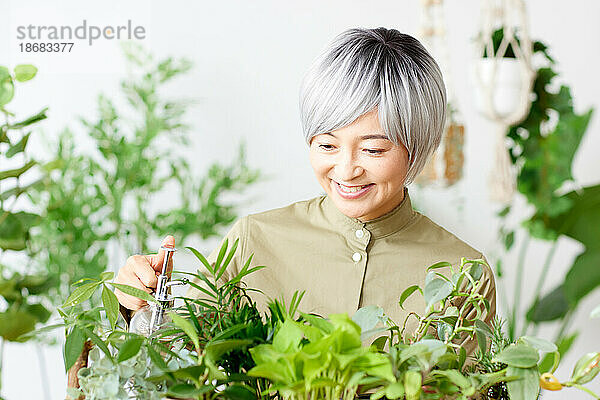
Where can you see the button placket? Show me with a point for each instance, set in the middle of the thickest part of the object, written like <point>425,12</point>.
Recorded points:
<point>361,241</point>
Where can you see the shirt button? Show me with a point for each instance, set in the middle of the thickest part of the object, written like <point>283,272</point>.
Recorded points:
<point>356,257</point>
<point>359,233</point>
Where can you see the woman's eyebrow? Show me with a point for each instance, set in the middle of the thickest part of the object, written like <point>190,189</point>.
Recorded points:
<point>364,137</point>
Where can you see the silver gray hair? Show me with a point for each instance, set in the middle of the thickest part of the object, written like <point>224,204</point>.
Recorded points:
<point>367,68</point>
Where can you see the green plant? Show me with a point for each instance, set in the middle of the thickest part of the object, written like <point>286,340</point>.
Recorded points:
<point>321,359</point>
<point>543,147</point>
<point>102,198</point>
<point>23,290</point>
<point>430,363</point>
<point>216,347</point>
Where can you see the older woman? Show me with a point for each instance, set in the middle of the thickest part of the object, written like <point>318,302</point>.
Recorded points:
<point>373,109</point>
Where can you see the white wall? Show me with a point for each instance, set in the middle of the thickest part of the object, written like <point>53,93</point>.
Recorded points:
<point>249,59</point>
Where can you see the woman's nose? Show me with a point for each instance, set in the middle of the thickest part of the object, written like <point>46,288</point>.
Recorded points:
<point>347,167</point>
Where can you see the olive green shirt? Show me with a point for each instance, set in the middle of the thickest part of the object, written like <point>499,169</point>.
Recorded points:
<point>342,263</point>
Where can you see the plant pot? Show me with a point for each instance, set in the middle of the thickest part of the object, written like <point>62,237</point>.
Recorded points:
<point>504,78</point>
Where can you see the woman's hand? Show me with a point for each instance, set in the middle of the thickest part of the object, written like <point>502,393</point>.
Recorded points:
<point>140,271</point>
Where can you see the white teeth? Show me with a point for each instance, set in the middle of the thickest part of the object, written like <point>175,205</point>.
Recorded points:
<point>353,189</point>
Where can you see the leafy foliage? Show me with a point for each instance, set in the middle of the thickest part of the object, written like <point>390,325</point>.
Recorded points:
<point>103,198</point>
<point>22,293</point>
<point>219,347</point>
<point>543,147</point>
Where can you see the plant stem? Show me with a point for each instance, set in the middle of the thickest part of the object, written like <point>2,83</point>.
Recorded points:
<point>512,328</point>
<point>580,387</point>
<point>541,281</point>
<point>563,326</point>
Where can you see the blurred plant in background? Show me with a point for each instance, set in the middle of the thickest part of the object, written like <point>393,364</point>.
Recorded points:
<point>92,204</point>
<point>103,198</point>
<point>22,289</point>
<point>543,148</point>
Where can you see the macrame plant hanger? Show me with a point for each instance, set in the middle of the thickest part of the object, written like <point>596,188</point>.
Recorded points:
<point>503,84</point>
<point>445,166</point>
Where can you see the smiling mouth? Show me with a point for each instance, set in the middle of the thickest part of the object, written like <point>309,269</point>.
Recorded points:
<point>351,189</point>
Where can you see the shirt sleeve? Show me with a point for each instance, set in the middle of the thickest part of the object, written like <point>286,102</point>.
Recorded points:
<point>237,232</point>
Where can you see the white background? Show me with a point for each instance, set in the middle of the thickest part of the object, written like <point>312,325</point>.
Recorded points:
<point>249,59</point>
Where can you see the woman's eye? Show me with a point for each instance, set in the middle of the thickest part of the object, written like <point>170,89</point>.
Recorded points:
<point>374,151</point>
<point>326,147</point>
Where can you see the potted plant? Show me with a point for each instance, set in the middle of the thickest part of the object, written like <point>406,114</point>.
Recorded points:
<point>502,76</point>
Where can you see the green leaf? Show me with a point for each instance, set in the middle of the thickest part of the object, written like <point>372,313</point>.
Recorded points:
<point>481,340</point>
<point>25,72</point>
<point>40,312</point>
<point>552,306</point>
<point>406,294</point>
<point>220,269</point>
<point>73,346</point>
<point>107,275</point>
<point>412,384</point>
<point>441,264</point>
<point>129,349</point>
<point>135,292</point>
<point>81,294</point>
<point>214,350</point>
<point>14,323</point>
<point>17,172</point>
<point>156,357</point>
<point>484,328</point>
<point>37,332</point>
<point>30,121</point>
<point>288,337</point>
<point>518,355</point>
<point>394,391</point>
<point>19,147</point>
<point>111,305</point>
<point>584,276</point>
<point>7,88</point>
<point>586,369</point>
<point>563,344</point>
<point>186,390</point>
<point>14,229</point>
<point>368,317</point>
<point>98,342</point>
<point>436,290</point>
<point>188,328</point>
<point>231,252</point>
<point>539,344</point>
<point>19,190</point>
<point>221,254</point>
<point>202,259</point>
<point>238,392</point>
<point>462,357</point>
<point>455,377</point>
<point>527,386</point>
<point>380,342</point>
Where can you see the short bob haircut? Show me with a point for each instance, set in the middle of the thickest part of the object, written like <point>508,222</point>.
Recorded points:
<point>367,68</point>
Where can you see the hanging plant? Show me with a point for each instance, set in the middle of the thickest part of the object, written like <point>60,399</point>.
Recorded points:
<point>542,150</point>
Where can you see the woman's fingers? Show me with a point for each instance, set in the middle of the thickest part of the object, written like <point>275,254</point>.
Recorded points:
<point>140,271</point>
<point>127,277</point>
<point>156,260</point>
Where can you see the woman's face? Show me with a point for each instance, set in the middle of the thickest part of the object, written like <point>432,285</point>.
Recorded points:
<point>360,169</point>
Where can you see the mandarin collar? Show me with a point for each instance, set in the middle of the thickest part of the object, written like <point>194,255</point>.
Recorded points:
<point>384,225</point>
